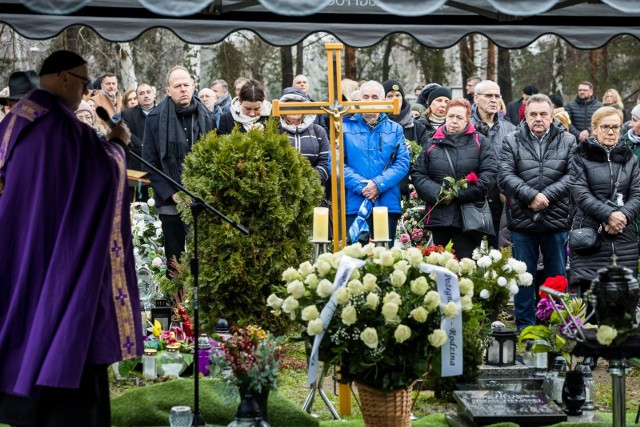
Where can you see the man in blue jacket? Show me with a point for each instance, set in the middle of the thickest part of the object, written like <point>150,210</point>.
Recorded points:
<point>371,169</point>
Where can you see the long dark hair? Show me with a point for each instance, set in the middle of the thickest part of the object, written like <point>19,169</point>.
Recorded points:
<point>252,91</point>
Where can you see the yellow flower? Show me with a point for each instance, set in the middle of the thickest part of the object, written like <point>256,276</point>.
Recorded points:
<point>157,328</point>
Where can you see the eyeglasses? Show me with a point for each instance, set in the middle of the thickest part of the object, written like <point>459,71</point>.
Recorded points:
<point>79,77</point>
<point>491,95</point>
<point>607,128</point>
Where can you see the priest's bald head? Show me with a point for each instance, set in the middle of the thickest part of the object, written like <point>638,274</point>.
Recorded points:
<point>65,74</point>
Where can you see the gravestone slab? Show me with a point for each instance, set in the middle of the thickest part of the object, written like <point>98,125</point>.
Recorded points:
<point>503,384</point>
<point>526,408</point>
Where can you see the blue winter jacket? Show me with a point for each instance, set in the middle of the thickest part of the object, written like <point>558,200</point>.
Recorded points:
<point>367,151</point>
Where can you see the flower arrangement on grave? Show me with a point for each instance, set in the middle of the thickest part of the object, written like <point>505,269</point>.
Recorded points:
<point>252,355</point>
<point>555,329</point>
<point>159,339</point>
<point>148,241</point>
<point>386,325</point>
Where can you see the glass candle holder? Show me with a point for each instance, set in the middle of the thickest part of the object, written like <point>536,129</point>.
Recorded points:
<point>172,361</point>
<point>181,416</point>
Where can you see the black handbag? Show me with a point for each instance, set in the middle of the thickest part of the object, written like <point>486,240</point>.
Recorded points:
<point>475,216</point>
<point>586,240</point>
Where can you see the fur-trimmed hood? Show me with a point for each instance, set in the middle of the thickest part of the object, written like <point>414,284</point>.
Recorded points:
<point>591,150</point>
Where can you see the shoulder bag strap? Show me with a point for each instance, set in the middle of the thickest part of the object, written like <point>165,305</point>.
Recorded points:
<point>614,191</point>
<point>453,170</point>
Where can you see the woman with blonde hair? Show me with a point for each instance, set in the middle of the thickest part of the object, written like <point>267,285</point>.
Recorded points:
<point>612,98</point>
<point>348,86</point>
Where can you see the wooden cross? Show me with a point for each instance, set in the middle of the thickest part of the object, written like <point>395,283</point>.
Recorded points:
<point>336,109</point>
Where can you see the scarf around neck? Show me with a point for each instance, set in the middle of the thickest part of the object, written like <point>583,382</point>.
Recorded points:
<point>243,119</point>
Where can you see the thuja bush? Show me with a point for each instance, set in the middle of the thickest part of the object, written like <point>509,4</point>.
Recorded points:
<point>260,181</point>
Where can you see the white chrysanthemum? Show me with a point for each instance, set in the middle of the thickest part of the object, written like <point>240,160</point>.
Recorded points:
<point>450,309</point>
<point>466,286</point>
<point>369,282</point>
<point>485,294</point>
<point>349,315</point>
<point>519,266</point>
<point>324,288</point>
<point>419,314</point>
<point>372,300</point>
<point>420,286</point>
<point>402,265</point>
<point>312,281</point>
<point>495,255</point>
<point>305,269</point>
<point>315,327</point>
<point>476,254</point>
<point>290,304</point>
<point>354,251</point>
<point>310,312</point>
<point>157,262</point>
<point>502,281</point>
<point>414,257</point>
<point>397,278</point>
<point>355,287</point>
<point>438,338</point>
<point>484,262</point>
<point>296,289</point>
<point>290,274</point>
<point>514,289</point>
<point>507,268</point>
<point>369,336</point>
<point>402,333</point>
<point>431,300</point>
<point>342,296</point>
<point>274,302</point>
<point>151,202</point>
<point>513,282</point>
<point>526,279</point>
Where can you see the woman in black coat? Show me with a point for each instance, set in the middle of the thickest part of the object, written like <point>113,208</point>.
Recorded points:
<point>469,152</point>
<point>249,110</point>
<point>595,168</point>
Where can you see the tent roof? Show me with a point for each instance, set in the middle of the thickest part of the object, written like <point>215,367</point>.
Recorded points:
<point>582,23</point>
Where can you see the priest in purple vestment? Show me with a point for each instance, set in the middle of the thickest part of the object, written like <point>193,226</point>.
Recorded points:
<point>69,304</point>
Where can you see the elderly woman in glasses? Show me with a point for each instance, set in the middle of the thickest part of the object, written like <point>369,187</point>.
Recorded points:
<point>606,191</point>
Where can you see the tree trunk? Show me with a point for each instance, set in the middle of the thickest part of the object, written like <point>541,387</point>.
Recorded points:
<point>386,66</point>
<point>127,67</point>
<point>466,51</point>
<point>491,61</point>
<point>286,61</point>
<point>504,74</point>
<point>559,55</point>
<point>70,39</point>
<point>350,69</point>
<point>300,58</point>
<point>593,60</point>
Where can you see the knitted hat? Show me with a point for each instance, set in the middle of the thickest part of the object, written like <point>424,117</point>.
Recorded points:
<point>636,111</point>
<point>61,60</point>
<point>437,92</point>
<point>293,94</point>
<point>424,94</point>
<point>85,106</point>
<point>556,100</point>
<point>417,107</point>
<point>530,90</point>
<point>390,85</point>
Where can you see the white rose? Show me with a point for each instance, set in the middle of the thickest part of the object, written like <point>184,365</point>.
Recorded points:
<point>450,309</point>
<point>453,266</point>
<point>305,269</point>
<point>397,278</point>
<point>514,289</point>
<point>336,258</point>
<point>402,265</point>
<point>323,268</point>
<point>372,300</point>
<point>484,262</point>
<point>397,253</point>
<point>377,251</point>
<point>606,334</point>
<point>157,262</point>
<point>414,256</point>
<point>342,296</point>
<point>349,315</point>
<point>327,257</point>
<point>438,338</point>
<point>355,274</point>
<point>392,297</point>
<point>495,255</point>
<point>151,202</point>
<point>466,303</point>
<point>369,337</point>
<point>433,258</point>
<point>402,333</point>
<point>296,289</point>
<point>324,288</point>
<point>445,257</point>
<point>369,282</point>
<point>355,287</point>
<point>290,274</point>
<point>526,279</point>
<point>419,286</point>
<point>484,294</point>
<point>290,305</point>
<point>431,300</point>
<point>467,265</point>
<point>367,250</point>
<point>419,314</point>
<point>390,312</point>
<point>502,281</point>
<point>386,258</point>
<point>312,281</point>
<point>354,251</point>
<point>466,285</point>
<point>274,302</point>
<point>315,327</point>
<point>310,312</point>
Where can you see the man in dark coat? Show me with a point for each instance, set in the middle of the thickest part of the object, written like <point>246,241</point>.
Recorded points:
<point>581,109</point>
<point>515,109</point>
<point>171,129</point>
<point>135,118</point>
<point>535,176</point>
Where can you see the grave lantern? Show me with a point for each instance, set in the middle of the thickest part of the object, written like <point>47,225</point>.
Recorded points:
<point>502,350</point>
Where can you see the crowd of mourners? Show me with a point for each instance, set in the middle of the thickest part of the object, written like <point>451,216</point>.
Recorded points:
<point>544,166</point>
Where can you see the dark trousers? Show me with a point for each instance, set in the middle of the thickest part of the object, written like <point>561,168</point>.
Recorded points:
<point>86,406</point>
<point>463,242</point>
<point>393,223</point>
<point>175,233</point>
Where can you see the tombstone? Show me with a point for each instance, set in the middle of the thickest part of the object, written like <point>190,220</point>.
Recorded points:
<point>525,408</point>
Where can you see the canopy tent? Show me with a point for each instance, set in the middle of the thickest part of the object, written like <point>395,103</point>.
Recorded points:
<point>584,24</point>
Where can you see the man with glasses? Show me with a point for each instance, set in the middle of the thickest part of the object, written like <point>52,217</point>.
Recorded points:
<point>470,88</point>
<point>69,303</point>
<point>484,116</point>
<point>581,109</point>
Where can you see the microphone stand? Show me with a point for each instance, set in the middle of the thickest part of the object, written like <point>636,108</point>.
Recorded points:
<point>197,206</point>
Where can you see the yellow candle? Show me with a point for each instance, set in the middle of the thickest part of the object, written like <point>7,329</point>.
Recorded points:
<point>380,223</point>
<point>320,224</point>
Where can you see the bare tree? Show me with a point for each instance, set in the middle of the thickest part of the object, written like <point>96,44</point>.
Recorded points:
<point>286,60</point>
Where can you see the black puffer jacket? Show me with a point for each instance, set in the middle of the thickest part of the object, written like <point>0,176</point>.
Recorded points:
<point>527,168</point>
<point>593,178</point>
<point>470,152</point>
<point>580,112</point>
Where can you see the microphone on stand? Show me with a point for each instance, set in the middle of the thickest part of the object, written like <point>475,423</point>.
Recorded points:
<point>104,115</point>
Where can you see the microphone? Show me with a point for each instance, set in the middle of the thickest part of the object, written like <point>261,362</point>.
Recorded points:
<point>552,292</point>
<point>104,115</point>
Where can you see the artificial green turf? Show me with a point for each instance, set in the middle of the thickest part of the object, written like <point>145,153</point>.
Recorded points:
<point>150,405</point>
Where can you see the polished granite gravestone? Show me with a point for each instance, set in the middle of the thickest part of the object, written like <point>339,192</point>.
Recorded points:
<point>526,408</point>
